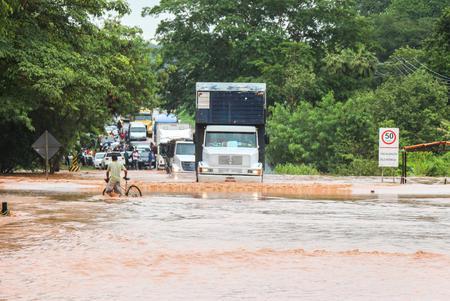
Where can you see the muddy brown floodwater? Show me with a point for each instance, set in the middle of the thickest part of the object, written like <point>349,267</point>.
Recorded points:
<point>224,246</point>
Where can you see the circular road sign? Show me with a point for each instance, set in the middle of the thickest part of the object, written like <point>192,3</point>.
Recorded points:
<point>388,137</point>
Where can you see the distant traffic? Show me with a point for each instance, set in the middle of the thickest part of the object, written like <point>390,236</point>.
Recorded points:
<point>149,139</point>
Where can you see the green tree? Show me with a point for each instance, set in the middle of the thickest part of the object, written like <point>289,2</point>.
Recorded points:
<point>250,40</point>
<point>60,71</point>
<point>417,104</point>
<point>370,7</point>
<point>305,135</point>
<point>405,23</point>
<point>438,48</point>
<point>348,70</point>
<point>290,73</point>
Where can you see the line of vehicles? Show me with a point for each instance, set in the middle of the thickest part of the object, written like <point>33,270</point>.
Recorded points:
<point>227,143</point>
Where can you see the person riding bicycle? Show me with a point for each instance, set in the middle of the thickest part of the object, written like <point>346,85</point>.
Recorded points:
<point>113,176</point>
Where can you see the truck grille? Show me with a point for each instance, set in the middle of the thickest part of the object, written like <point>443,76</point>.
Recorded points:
<point>230,160</point>
<point>232,171</point>
<point>188,166</point>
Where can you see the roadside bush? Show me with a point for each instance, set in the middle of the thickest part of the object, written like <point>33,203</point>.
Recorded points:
<point>305,134</point>
<point>296,169</point>
<point>429,164</point>
<point>359,167</point>
<point>15,147</point>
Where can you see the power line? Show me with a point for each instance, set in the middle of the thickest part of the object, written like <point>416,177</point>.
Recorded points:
<point>434,72</point>
<point>442,79</point>
<point>401,71</point>
<point>414,68</point>
<point>404,68</point>
<point>381,73</point>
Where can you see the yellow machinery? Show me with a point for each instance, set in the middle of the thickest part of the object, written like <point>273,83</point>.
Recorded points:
<point>145,116</point>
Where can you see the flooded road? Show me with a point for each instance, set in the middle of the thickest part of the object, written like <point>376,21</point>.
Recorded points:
<point>224,247</point>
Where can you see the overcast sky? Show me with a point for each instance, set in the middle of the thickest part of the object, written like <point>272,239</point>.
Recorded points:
<point>148,24</point>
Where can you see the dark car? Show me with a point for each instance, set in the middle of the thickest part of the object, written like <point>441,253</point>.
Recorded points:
<point>144,154</point>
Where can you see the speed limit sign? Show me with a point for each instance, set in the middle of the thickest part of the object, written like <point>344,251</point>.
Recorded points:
<point>389,137</point>
<point>388,147</point>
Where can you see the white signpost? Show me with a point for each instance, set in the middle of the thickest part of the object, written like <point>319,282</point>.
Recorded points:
<point>388,147</point>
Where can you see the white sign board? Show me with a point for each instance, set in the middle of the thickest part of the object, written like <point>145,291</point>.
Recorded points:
<point>203,100</point>
<point>388,147</point>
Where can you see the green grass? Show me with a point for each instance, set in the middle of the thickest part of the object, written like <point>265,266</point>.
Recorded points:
<point>419,164</point>
<point>359,167</point>
<point>295,169</point>
<point>428,164</point>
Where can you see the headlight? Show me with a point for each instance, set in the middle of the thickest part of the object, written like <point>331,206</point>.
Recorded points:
<point>204,169</point>
<point>256,172</point>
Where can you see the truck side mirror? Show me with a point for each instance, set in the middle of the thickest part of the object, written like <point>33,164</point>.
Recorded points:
<point>266,139</point>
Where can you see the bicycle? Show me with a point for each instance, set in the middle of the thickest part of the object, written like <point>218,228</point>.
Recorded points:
<point>132,190</point>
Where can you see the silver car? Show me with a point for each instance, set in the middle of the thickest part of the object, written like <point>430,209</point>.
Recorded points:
<point>108,159</point>
<point>98,159</point>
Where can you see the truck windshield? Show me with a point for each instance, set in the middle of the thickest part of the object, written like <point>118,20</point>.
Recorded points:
<point>143,117</point>
<point>226,139</point>
<point>99,155</point>
<point>138,129</point>
<point>185,149</point>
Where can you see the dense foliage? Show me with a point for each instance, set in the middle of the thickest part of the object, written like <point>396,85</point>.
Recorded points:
<point>336,70</point>
<point>62,72</point>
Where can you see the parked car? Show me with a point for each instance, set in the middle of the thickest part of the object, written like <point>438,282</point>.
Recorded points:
<point>144,154</point>
<point>98,159</point>
<point>108,159</point>
<point>112,129</point>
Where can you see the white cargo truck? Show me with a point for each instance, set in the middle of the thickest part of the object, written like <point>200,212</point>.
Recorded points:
<point>230,132</point>
<point>165,132</point>
<point>181,155</point>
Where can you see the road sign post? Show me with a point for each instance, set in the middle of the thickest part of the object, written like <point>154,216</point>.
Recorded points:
<point>388,146</point>
<point>46,146</point>
<point>46,155</point>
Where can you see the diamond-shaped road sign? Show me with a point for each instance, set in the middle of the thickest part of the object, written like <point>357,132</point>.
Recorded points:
<point>52,145</point>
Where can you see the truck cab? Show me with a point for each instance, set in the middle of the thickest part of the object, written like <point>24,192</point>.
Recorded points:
<point>230,132</point>
<point>145,117</point>
<point>137,131</point>
<point>230,151</point>
<point>181,155</point>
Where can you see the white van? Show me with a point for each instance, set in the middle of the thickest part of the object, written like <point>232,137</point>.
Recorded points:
<point>137,131</point>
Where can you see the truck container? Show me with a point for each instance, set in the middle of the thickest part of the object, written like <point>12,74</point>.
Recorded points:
<point>230,131</point>
<point>160,119</point>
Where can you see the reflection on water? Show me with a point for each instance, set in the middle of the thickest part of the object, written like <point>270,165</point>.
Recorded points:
<point>215,246</point>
